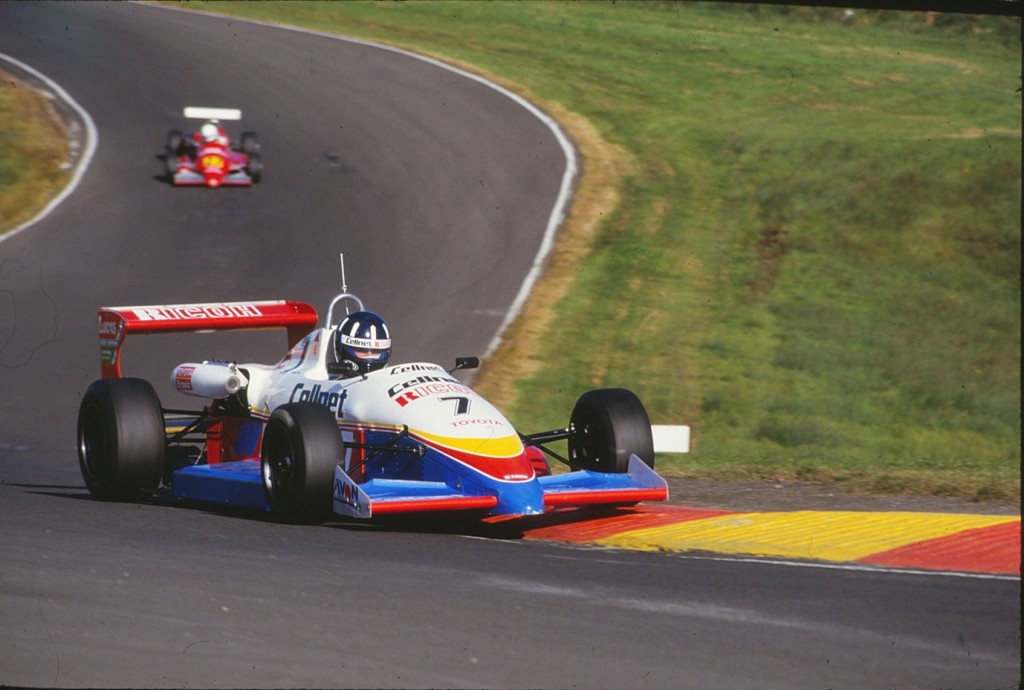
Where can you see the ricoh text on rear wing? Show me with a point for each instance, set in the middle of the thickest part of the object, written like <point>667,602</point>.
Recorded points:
<point>115,323</point>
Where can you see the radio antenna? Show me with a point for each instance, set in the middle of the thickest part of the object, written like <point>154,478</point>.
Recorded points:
<point>344,284</point>
<point>343,297</point>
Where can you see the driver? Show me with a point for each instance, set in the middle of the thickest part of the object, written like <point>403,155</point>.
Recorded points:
<point>362,343</point>
<point>211,133</point>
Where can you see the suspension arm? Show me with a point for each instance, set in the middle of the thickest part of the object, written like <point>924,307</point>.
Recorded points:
<point>547,436</point>
<point>390,446</point>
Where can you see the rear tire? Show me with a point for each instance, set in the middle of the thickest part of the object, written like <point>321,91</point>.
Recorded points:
<point>301,448</point>
<point>121,441</point>
<point>249,143</point>
<point>174,142</point>
<point>609,425</point>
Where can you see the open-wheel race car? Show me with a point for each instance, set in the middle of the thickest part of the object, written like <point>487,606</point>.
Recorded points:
<point>335,427</point>
<point>207,157</point>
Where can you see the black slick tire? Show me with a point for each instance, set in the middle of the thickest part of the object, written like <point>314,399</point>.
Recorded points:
<point>254,168</point>
<point>609,425</point>
<point>249,143</point>
<point>121,441</point>
<point>175,140</point>
<point>301,448</point>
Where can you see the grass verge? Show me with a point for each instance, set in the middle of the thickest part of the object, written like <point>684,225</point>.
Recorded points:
<point>33,149</point>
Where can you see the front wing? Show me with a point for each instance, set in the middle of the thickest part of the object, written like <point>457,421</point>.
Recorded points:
<point>579,488</point>
<point>236,178</point>
<point>639,483</point>
<point>239,484</point>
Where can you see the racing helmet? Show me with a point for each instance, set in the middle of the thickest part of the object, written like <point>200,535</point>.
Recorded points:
<point>362,342</point>
<point>209,132</point>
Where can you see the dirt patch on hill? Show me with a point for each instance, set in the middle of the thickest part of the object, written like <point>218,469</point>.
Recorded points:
<point>786,496</point>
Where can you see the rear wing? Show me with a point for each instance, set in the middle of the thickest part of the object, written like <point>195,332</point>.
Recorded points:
<point>197,113</point>
<point>115,323</point>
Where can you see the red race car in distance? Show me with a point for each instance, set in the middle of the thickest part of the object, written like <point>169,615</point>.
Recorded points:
<point>208,157</point>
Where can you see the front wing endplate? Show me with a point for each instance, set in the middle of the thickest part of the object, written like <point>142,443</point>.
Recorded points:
<point>387,496</point>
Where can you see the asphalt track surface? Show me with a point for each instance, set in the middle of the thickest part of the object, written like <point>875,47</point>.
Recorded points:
<point>439,190</point>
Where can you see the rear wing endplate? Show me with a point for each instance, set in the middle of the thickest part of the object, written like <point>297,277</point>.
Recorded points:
<point>115,323</point>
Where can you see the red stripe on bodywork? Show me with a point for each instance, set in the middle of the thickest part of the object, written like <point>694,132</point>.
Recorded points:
<point>580,498</point>
<point>994,549</point>
<point>572,525</point>
<point>419,505</point>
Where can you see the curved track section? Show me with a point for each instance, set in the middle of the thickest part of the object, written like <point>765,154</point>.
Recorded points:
<point>439,191</point>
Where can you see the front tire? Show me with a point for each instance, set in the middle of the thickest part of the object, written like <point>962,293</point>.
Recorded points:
<point>301,448</point>
<point>609,425</point>
<point>254,168</point>
<point>121,441</point>
<point>171,166</point>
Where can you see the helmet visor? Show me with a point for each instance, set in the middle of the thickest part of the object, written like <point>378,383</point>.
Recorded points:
<point>368,355</point>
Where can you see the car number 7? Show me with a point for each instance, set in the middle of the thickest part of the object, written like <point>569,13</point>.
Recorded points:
<point>461,403</point>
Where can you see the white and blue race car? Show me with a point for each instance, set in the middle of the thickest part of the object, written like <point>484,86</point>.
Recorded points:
<point>309,436</point>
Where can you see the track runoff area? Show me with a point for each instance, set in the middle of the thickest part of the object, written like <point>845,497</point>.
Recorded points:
<point>929,542</point>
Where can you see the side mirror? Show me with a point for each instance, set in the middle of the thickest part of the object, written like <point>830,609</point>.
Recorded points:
<point>344,369</point>
<point>465,363</point>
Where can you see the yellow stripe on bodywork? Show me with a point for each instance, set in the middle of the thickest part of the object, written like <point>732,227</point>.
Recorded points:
<point>829,536</point>
<point>502,447</point>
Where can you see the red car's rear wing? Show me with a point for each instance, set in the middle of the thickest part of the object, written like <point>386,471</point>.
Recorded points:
<point>298,318</point>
